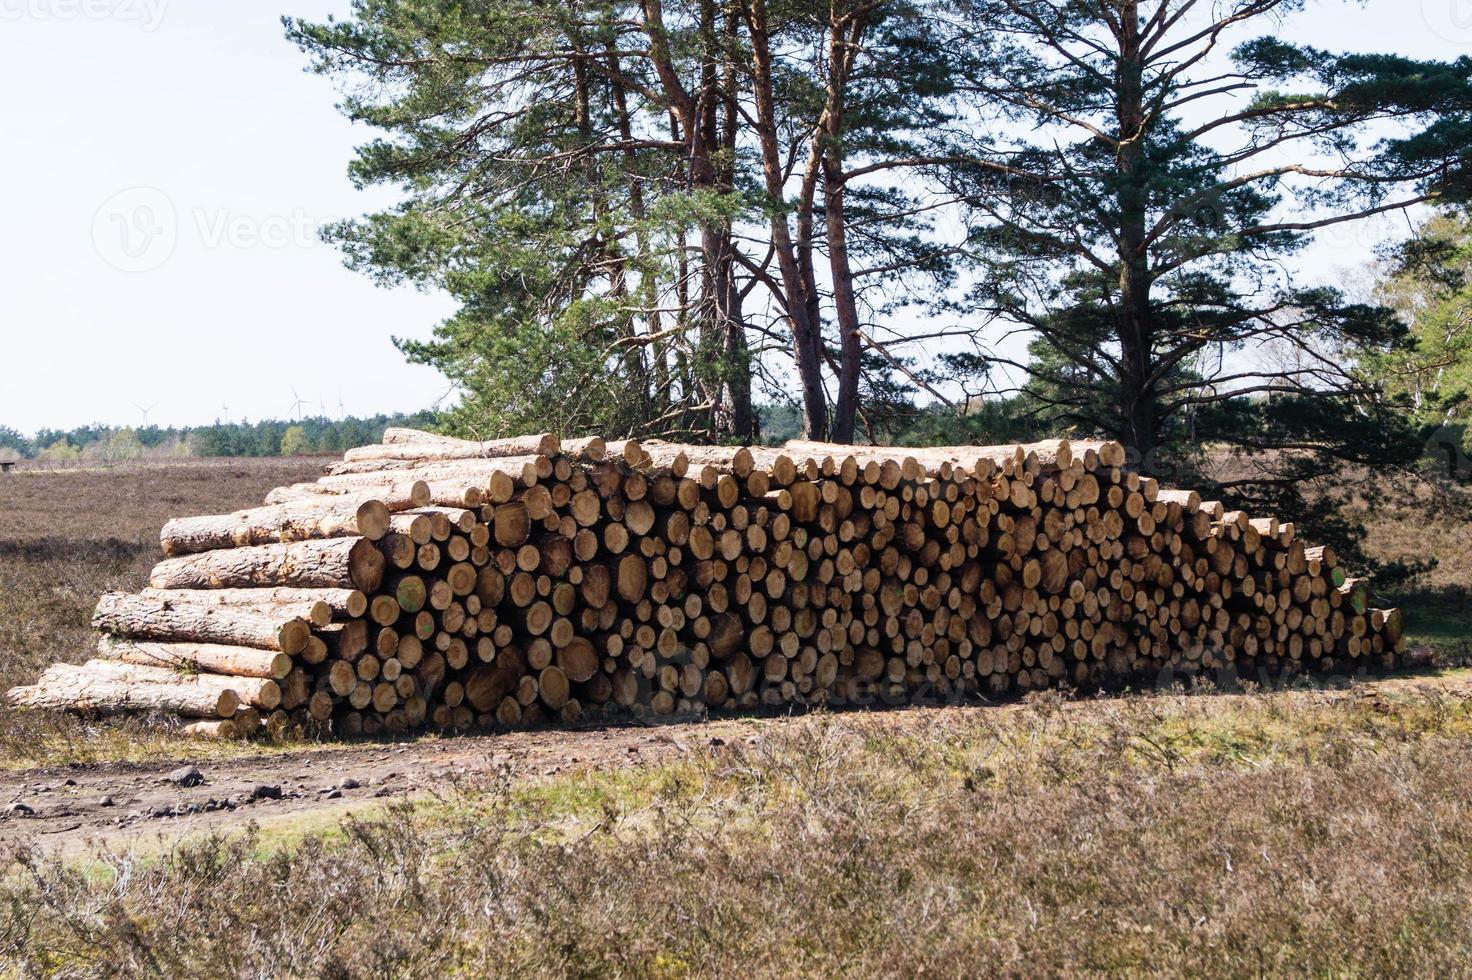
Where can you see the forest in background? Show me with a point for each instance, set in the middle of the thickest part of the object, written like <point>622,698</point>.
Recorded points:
<point>268,437</point>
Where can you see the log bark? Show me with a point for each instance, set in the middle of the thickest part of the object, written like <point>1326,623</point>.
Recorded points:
<point>453,483</point>
<point>318,606</point>
<point>331,517</point>
<point>393,493</point>
<point>592,449</point>
<point>447,490</point>
<point>68,688</point>
<point>213,658</point>
<point>338,563</point>
<point>257,692</point>
<point>725,459</point>
<point>411,444</point>
<point>143,617</point>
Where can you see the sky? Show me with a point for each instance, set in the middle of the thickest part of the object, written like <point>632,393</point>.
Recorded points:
<point>164,166</point>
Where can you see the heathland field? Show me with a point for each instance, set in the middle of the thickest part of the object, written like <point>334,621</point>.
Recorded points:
<point>1257,831</point>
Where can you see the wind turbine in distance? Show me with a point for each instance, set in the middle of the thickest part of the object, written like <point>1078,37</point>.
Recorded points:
<point>145,411</point>
<point>296,406</point>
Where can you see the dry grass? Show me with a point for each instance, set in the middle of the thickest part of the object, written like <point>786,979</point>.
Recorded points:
<point>1209,835</point>
<point>68,536</point>
<point>1414,522</point>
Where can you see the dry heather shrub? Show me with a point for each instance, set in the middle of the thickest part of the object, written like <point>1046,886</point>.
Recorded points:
<point>1055,846</point>
<point>66,537</point>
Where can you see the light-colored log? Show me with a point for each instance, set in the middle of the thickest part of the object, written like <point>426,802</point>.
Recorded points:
<point>329,517</point>
<point>67,688</point>
<point>396,494</point>
<point>221,729</point>
<point>453,483</point>
<point>213,658</point>
<point>347,563</point>
<point>412,445</point>
<point>735,460</point>
<point>144,617</point>
<point>591,449</point>
<point>318,606</point>
<point>257,692</point>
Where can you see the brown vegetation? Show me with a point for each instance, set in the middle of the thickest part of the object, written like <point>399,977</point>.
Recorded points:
<point>1271,833</point>
<point>1415,522</point>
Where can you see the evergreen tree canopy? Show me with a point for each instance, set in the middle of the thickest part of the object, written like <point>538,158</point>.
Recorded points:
<point>1431,289</point>
<point>1146,169</point>
<point>643,209</point>
<point>1139,175</point>
<point>651,212</point>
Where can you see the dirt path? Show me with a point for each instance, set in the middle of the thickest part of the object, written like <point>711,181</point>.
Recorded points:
<point>72,808</point>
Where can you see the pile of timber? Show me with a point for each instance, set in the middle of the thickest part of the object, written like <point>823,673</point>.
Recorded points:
<point>431,581</point>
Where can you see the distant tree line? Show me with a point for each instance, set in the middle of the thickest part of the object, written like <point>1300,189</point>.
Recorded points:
<point>268,437</point>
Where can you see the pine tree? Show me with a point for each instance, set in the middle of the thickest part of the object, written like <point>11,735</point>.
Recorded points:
<point>641,207</point>
<point>1135,195</point>
<point>1430,287</point>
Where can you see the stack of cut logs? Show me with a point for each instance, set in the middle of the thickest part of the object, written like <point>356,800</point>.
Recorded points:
<point>431,581</point>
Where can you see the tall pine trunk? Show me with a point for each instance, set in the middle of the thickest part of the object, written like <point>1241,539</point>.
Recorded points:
<point>807,338</point>
<point>1138,408</point>
<point>737,352</point>
<point>846,310</point>
<point>806,246</point>
<point>722,327</point>
<point>846,34</point>
<point>608,245</point>
<point>657,399</point>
